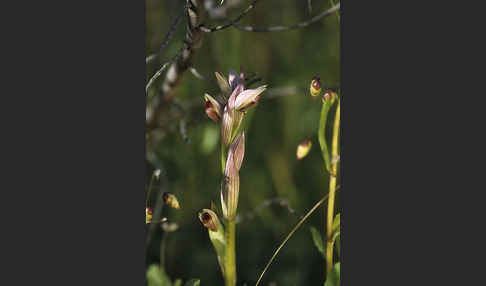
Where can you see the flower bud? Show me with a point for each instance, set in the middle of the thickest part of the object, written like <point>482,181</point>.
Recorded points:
<point>216,234</point>
<point>315,87</point>
<point>170,200</point>
<point>304,148</point>
<point>230,188</point>
<point>213,108</point>
<point>237,150</point>
<point>226,126</point>
<point>148,215</point>
<point>223,84</point>
<point>209,219</point>
<point>329,96</point>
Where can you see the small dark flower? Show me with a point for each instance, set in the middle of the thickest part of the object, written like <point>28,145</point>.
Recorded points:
<point>209,219</point>
<point>213,108</point>
<point>315,87</point>
<point>170,200</point>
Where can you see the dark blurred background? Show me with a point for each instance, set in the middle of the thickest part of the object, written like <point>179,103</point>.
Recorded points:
<point>187,151</point>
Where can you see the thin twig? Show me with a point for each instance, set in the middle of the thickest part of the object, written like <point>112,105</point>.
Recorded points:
<point>231,23</point>
<point>167,37</point>
<point>278,201</point>
<point>159,72</point>
<point>290,235</point>
<point>196,73</point>
<point>285,28</point>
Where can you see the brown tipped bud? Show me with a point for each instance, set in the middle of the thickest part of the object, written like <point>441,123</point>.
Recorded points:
<point>237,150</point>
<point>315,87</point>
<point>329,96</point>
<point>209,219</point>
<point>148,215</point>
<point>170,200</point>
<point>304,148</point>
<point>213,108</point>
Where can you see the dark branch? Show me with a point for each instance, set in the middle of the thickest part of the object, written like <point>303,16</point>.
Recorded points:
<point>285,28</point>
<point>167,37</point>
<point>231,23</point>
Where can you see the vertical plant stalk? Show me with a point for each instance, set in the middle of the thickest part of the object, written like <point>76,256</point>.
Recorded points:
<point>230,260</point>
<point>230,256</point>
<point>322,136</point>
<point>332,188</point>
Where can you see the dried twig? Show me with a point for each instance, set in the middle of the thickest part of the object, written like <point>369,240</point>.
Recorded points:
<point>285,28</point>
<point>167,37</point>
<point>231,23</point>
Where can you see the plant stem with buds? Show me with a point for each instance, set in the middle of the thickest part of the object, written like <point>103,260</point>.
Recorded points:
<point>332,189</point>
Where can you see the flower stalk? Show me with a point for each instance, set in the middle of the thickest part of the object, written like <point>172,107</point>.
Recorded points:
<point>332,189</point>
<point>229,112</point>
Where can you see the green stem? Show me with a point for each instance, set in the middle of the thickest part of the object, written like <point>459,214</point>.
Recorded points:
<point>332,189</point>
<point>322,136</point>
<point>230,260</point>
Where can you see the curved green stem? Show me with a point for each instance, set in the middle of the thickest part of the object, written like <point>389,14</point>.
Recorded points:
<point>322,136</point>
<point>332,188</point>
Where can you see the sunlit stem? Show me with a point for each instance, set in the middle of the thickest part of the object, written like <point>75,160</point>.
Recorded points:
<point>332,188</point>
<point>230,260</point>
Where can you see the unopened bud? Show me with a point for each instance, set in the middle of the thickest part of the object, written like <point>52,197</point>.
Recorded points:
<point>237,150</point>
<point>209,219</point>
<point>230,188</point>
<point>148,215</point>
<point>315,87</point>
<point>213,108</point>
<point>304,148</point>
<point>227,126</point>
<point>170,200</point>
<point>223,84</point>
<point>329,96</point>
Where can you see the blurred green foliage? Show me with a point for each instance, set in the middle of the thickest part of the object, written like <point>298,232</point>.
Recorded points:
<point>191,170</point>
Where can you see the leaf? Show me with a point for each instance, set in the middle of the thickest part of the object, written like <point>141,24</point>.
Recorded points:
<point>178,282</point>
<point>336,225</point>
<point>156,276</point>
<point>316,236</point>
<point>334,278</point>
<point>193,282</point>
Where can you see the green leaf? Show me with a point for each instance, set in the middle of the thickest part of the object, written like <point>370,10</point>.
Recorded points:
<point>156,276</point>
<point>193,282</point>
<point>316,236</point>
<point>178,282</point>
<point>334,278</point>
<point>336,224</point>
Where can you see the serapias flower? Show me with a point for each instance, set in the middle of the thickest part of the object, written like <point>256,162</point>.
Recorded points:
<point>213,108</point>
<point>236,101</point>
